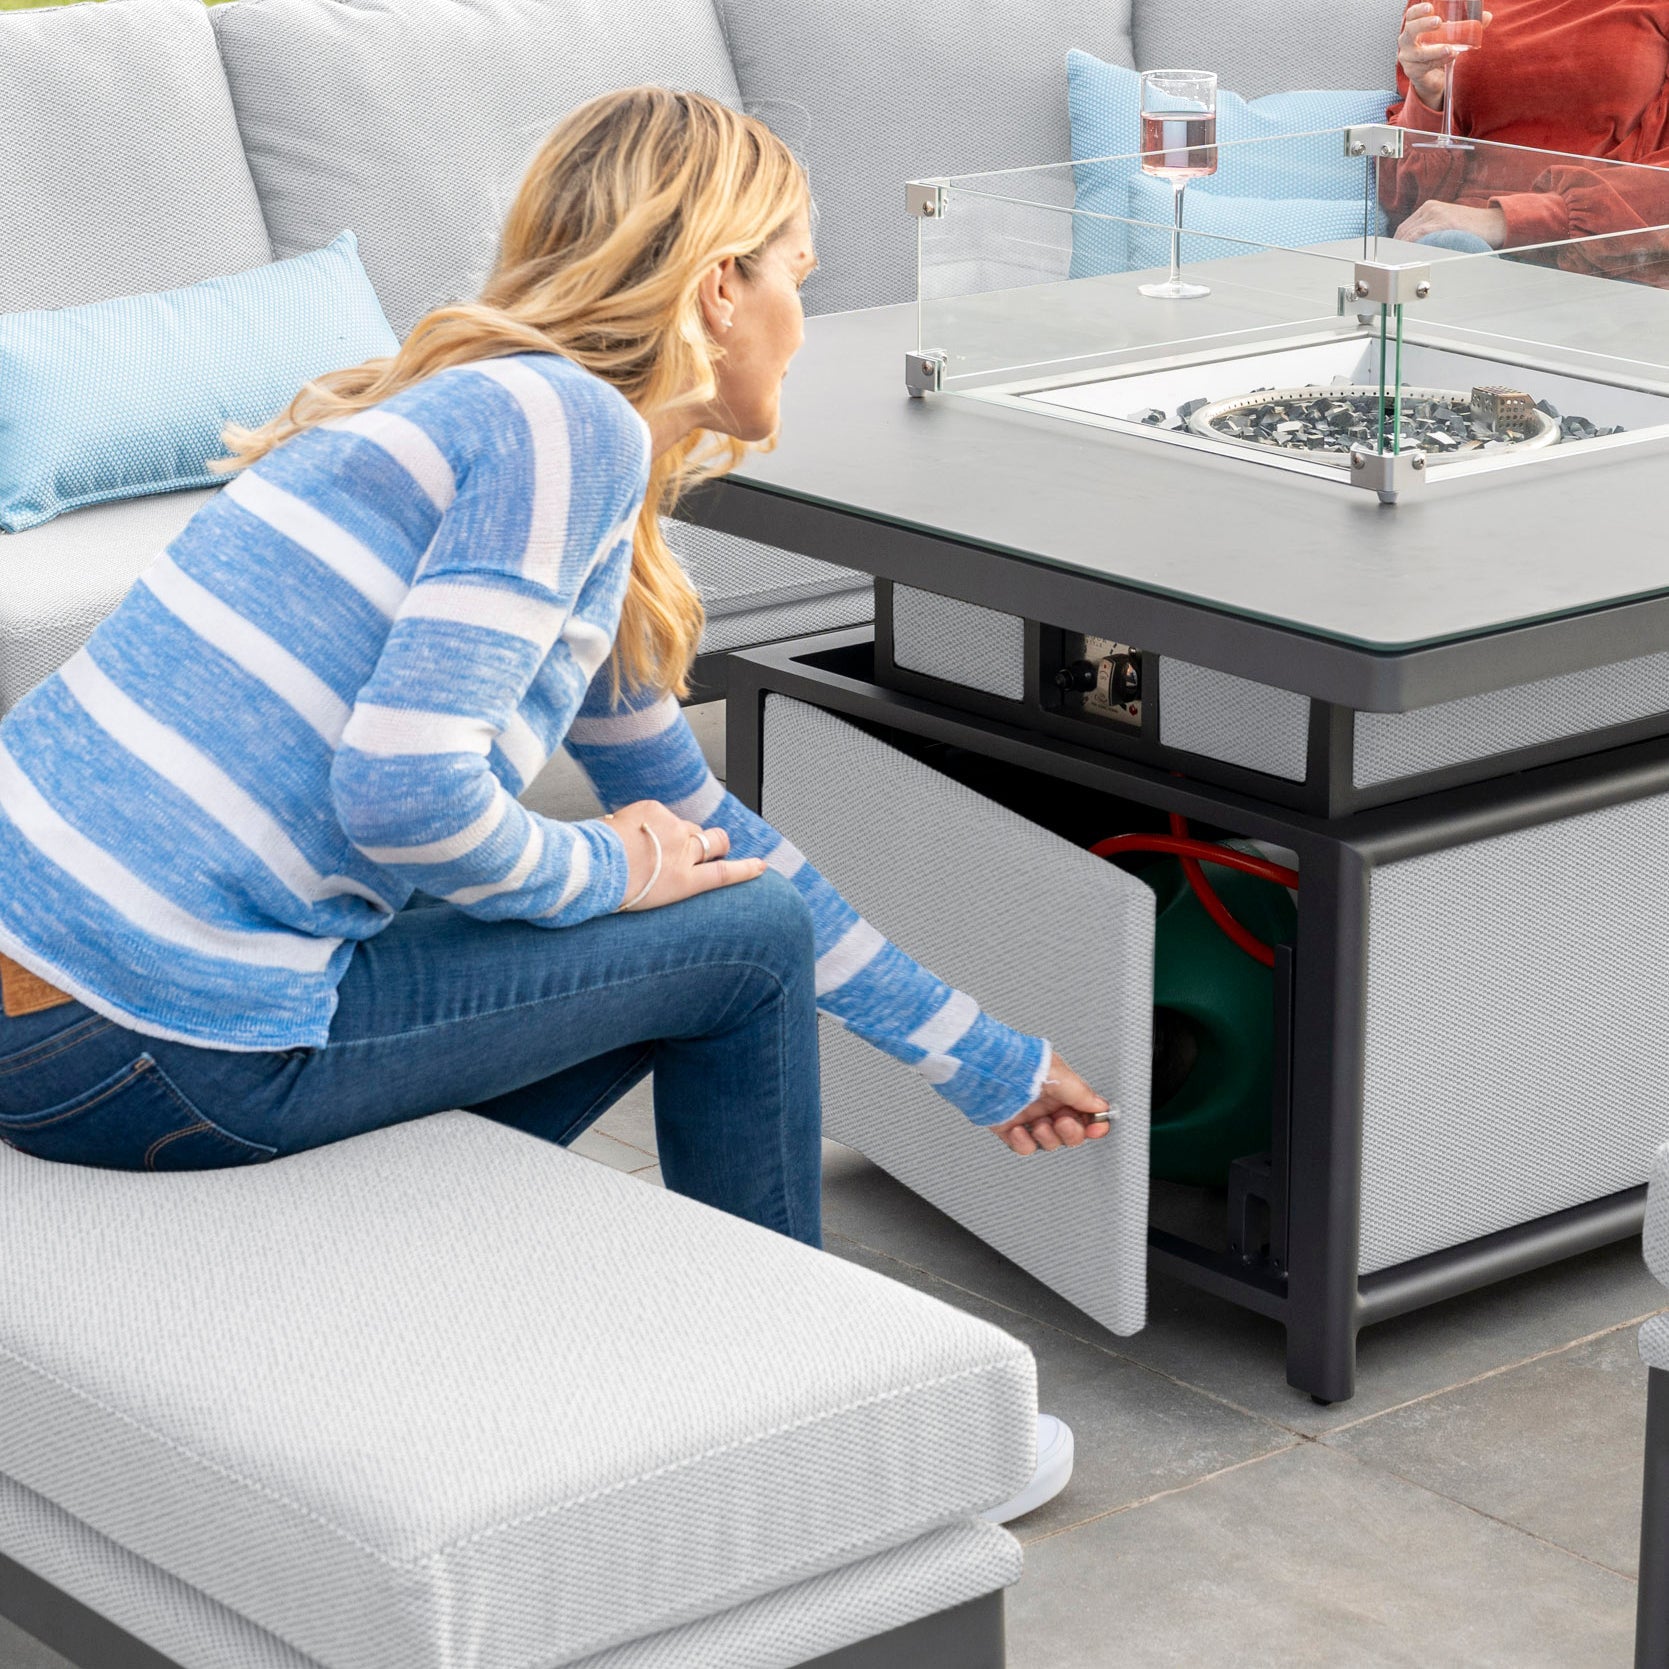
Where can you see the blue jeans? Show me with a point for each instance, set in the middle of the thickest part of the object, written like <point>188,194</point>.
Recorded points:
<point>536,1027</point>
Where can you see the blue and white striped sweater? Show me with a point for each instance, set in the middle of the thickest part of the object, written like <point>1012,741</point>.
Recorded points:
<point>325,696</point>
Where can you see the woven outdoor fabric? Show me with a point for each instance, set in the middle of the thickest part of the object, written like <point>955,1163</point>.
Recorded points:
<point>59,581</point>
<point>411,121</point>
<point>120,168</point>
<point>1517,1055</point>
<point>943,637</point>
<point>1219,716</point>
<point>943,1568</point>
<point>1654,1342</point>
<point>737,574</point>
<point>1352,44</point>
<point>1656,1236</point>
<point>116,399</point>
<point>871,94</point>
<point>1044,936</point>
<point>445,1396</point>
<point>1393,745</point>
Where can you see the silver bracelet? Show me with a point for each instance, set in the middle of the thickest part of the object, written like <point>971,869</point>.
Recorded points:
<point>654,874</point>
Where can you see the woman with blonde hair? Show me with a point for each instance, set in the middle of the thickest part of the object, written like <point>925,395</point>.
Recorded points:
<point>264,879</point>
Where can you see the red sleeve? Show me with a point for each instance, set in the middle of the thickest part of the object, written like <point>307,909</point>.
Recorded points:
<point>1424,172</point>
<point>1571,201</point>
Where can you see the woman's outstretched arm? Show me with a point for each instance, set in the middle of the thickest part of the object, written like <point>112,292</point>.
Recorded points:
<point>644,749</point>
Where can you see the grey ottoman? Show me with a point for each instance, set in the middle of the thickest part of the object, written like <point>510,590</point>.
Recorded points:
<point>445,1396</point>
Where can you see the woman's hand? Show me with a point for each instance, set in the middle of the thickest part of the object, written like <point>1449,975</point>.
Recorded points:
<point>1424,65</point>
<point>692,859</point>
<point>1062,1116</point>
<point>1488,223</point>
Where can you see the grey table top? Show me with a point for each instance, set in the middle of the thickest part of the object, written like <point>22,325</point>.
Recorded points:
<point>1457,565</point>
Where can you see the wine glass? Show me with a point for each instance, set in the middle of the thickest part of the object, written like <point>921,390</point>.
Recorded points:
<point>1179,144</point>
<point>1461,28</point>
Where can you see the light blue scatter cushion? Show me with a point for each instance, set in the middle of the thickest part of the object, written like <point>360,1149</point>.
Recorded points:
<point>117,399</point>
<point>1104,102</point>
<point>1223,226</point>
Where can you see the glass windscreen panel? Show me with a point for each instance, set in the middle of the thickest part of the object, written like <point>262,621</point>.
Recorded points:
<point>1537,315</point>
<point>1549,294</point>
<point>1039,272</point>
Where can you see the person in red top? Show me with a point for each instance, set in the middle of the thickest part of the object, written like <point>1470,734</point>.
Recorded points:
<point>1581,77</point>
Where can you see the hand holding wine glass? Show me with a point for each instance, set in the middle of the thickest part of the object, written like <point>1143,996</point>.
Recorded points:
<point>1435,33</point>
<point>1179,144</point>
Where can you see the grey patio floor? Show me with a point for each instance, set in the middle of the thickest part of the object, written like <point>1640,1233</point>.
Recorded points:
<point>1476,1504</point>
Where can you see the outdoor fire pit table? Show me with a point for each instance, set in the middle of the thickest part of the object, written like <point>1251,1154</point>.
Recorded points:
<point>1434,680</point>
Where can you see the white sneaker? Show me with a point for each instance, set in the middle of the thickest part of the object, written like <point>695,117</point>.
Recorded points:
<point>1054,1472</point>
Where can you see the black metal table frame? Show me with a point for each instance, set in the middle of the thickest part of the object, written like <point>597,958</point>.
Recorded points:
<point>1307,1278</point>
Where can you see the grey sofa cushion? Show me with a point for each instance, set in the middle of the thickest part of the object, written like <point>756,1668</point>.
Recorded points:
<point>872,93</point>
<point>1317,43</point>
<point>120,169</point>
<point>59,581</point>
<point>789,1625</point>
<point>445,1394</point>
<point>410,121</point>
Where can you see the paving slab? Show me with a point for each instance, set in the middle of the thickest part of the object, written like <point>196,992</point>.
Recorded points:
<point>1234,1354</point>
<point>1309,1558</point>
<point>1553,1447</point>
<point>1136,1433</point>
<point>632,1118</point>
<point>22,1651</point>
<point>594,1144</point>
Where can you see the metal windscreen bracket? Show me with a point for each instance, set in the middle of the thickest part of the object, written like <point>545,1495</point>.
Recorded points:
<point>924,373</point>
<point>1379,139</point>
<point>925,200</point>
<point>1391,286</point>
<point>1388,473</point>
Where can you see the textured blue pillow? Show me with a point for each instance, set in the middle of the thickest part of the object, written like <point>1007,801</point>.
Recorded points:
<point>1105,102</point>
<point>117,399</point>
<point>1286,221</point>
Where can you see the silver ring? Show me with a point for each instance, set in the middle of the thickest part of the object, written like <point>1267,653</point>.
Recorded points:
<point>706,847</point>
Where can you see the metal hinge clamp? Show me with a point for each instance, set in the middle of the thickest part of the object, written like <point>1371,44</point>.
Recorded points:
<point>924,372</point>
<point>925,199</point>
<point>1378,139</point>
<point>1392,286</point>
<point>1388,473</point>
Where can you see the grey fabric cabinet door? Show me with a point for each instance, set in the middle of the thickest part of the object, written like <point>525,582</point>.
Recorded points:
<point>1045,936</point>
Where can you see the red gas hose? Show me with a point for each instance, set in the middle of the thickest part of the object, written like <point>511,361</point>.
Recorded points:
<point>1178,843</point>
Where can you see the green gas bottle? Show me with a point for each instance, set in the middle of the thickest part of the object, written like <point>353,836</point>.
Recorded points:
<point>1213,1022</point>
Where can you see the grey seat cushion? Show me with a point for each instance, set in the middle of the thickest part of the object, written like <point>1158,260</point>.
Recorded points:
<point>410,121</point>
<point>120,168</point>
<point>445,1395</point>
<point>872,93</point>
<point>786,1626</point>
<point>59,581</point>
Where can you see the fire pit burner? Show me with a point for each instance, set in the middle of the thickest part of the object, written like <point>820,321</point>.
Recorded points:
<point>1331,423</point>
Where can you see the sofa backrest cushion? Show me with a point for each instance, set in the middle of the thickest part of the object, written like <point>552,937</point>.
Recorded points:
<point>872,93</point>
<point>1307,44</point>
<point>120,167</point>
<point>409,122</point>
